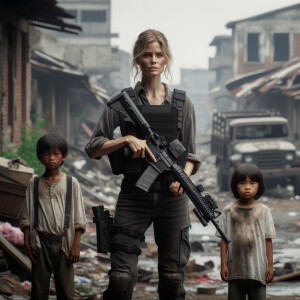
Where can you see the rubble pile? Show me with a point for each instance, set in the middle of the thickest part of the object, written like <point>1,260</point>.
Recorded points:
<point>99,187</point>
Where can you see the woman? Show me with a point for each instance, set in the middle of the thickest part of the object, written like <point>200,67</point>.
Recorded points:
<point>165,204</point>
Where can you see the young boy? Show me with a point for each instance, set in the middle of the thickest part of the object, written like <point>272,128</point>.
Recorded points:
<point>53,220</point>
<point>247,262</point>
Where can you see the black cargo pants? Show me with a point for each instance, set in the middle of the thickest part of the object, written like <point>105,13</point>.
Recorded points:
<point>170,217</point>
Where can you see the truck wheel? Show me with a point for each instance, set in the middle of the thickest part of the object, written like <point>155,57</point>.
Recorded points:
<point>222,180</point>
<point>297,185</point>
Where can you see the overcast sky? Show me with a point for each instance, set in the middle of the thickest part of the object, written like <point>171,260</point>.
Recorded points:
<point>189,25</point>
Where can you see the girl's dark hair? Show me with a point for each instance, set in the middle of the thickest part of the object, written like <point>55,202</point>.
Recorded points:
<point>51,141</point>
<point>241,173</point>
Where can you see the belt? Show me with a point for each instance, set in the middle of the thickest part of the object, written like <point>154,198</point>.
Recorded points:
<point>50,237</point>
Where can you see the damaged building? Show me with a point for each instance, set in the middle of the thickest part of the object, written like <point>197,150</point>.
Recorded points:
<point>265,63</point>
<point>221,64</point>
<point>16,18</point>
<point>265,41</point>
<point>91,50</point>
<point>64,98</point>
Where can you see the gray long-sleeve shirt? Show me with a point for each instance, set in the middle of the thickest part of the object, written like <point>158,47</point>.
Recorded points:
<point>110,119</point>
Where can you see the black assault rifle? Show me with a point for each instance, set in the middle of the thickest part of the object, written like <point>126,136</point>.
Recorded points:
<point>166,156</point>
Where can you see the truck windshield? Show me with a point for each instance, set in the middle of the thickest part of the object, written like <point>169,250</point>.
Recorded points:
<point>261,131</point>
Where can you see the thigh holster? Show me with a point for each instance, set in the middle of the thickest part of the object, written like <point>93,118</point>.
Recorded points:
<point>107,227</point>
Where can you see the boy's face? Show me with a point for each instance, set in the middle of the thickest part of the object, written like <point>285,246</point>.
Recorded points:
<point>247,189</point>
<point>52,158</point>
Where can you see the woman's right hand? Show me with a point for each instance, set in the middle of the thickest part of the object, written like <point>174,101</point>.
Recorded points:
<point>138,147</point>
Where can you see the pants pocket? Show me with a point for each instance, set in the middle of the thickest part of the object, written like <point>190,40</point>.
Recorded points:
<point>185,247</point>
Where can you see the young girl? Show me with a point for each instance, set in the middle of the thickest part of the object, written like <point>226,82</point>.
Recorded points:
<point>165,204</point>
<point>247,262</point>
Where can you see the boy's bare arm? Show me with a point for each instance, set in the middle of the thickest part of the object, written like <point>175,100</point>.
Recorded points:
<point>224,268</point>
<point>269,270</point>
<point>75,250</point>
<point>27,244</point>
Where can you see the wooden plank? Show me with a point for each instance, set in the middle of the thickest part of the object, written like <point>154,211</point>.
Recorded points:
<point>286,276</point>
<point>15,253</point>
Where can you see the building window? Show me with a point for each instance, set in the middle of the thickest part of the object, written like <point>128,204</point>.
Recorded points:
<point>93,16</point>
<point>73,13</point>
<point>253,47</point>
<point>281,47</point>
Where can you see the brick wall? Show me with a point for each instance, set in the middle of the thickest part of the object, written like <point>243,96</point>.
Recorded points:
<point>12,120</point>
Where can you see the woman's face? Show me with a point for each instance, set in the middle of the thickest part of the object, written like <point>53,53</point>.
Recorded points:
<point>152,61</point>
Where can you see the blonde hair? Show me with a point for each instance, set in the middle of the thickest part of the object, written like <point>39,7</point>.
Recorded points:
<point>144,38</point>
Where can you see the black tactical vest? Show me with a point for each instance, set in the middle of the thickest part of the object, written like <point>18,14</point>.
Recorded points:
<point>165,120</point>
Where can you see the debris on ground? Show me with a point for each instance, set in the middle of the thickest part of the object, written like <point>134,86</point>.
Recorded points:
<point>202,272</point>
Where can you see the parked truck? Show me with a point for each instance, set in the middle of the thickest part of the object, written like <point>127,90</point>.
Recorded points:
<point>259,137</point>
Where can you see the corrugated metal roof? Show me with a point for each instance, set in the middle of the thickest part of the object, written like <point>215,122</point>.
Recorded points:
<point>42,13</point>
<point>43,62</point>
<point>286,79</point>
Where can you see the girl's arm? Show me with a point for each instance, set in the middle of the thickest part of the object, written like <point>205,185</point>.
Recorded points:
<point>224,268</point>
<point>269,270</point>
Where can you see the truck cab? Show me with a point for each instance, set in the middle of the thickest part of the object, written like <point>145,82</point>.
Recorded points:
<point>261,138</point>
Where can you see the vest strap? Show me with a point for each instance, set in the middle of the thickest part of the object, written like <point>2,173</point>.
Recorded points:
<point>178,98</point>
<point>131,93</point>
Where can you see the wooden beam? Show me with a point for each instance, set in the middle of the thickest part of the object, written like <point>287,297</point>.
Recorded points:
<point>286,277</point>
<point>15,253</point>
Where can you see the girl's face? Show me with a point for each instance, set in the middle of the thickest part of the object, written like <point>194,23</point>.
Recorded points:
<point>152,61</point>
<point>247,189</point>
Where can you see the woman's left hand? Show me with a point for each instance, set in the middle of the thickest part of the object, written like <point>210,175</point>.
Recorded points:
<point>176,189</point>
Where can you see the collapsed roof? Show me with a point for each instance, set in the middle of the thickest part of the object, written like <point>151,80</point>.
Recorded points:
<point>42,13</point>
<point>284,79</point>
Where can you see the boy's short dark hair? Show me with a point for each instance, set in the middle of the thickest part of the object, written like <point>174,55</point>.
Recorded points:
<point>51,141</point>
<point>241,173</point>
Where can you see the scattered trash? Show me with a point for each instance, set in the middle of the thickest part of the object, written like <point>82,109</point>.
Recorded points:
<point>11,233</point>
<point>207,291</point>
<point>202,271</point>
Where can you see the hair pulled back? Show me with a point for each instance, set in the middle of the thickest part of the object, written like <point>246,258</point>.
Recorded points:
<point>144,38</point>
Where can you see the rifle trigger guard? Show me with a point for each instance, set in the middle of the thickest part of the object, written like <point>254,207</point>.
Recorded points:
<point>217,213</point>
